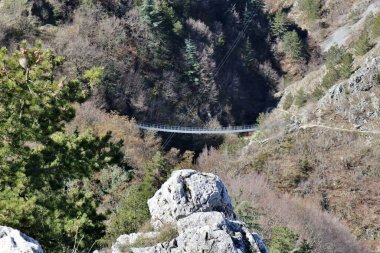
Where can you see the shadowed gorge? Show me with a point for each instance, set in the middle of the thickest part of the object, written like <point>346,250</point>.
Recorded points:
<point>165,126</point>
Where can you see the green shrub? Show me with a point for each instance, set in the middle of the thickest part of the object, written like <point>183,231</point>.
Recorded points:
<point>363,44</point>
<point>280,24</point>
<point>300,98</point>
<point>42,192</point>
<point>310,8</point>
<point>260,161</point>
<point>248,56</point>
<point>305,247</point>
<point>317,93</point>
<point>304,166</point>
<point>192,64</point>
<point>345,67</point>
<point>334,56</point>
<point>248,215</point>
<point>283,240</point>
<point>288,102</point>
<point>132,212</point>
<point>339,66</point>
<point>293,45</point>
<point>376,27</point>
<point>330,78</point>
<point>178,28</point>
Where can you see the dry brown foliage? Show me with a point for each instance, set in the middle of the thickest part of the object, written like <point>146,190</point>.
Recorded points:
<point>311,170</point>
<point>137,149</point>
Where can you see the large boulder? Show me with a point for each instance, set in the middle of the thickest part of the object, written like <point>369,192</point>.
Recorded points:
<point>13,241</point>
<point>198,207</point>
<point>187,192</point>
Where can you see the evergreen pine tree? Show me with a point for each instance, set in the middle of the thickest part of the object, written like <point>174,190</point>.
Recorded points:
<point>345,67</point>
<point>38,159</point>
<point>293,45</point>
<point>191,64</point>
<point>280,24</point>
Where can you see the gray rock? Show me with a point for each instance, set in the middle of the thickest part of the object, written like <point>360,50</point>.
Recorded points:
<point>212,232</point>
<point>13,241</point>
<point>208,232</point>
<point>130,239</point>
<point>356,100</point>
<point>187,192</point>
<point>198,205</point>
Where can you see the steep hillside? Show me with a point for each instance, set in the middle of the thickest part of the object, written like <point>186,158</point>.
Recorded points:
<point>319,147</point>
<point>76,172</point>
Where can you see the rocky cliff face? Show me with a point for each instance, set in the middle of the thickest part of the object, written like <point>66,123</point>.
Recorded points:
<point>198,207</point>
<point>357,99</point>
<point>12,240</point>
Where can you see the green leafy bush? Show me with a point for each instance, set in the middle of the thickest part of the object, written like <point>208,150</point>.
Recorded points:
<point>293,45</point>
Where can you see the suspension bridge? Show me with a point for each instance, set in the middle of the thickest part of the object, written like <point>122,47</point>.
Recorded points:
<point>197,130</point>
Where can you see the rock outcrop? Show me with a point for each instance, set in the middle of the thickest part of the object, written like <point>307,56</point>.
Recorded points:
<point>12,240</point>
<point>198,206</point>
<point>357,99</point>
<point>187,192</point>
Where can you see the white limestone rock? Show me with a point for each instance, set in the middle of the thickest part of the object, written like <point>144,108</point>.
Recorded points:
<point>130,239</point>
<point>212,232</point>
<point>187,192</point>
<point>13,241</point>
<point>198,205</point>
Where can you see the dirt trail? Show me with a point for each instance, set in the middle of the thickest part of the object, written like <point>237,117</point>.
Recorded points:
<point>339,129</point>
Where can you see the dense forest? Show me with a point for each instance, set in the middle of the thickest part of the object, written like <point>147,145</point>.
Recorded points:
<point>76,75</point>
<point>164,61</point>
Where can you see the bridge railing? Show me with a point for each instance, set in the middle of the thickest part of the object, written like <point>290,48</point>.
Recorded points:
<point>197,130</point>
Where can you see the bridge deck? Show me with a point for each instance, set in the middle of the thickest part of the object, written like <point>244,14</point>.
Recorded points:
<point>197,130</point>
